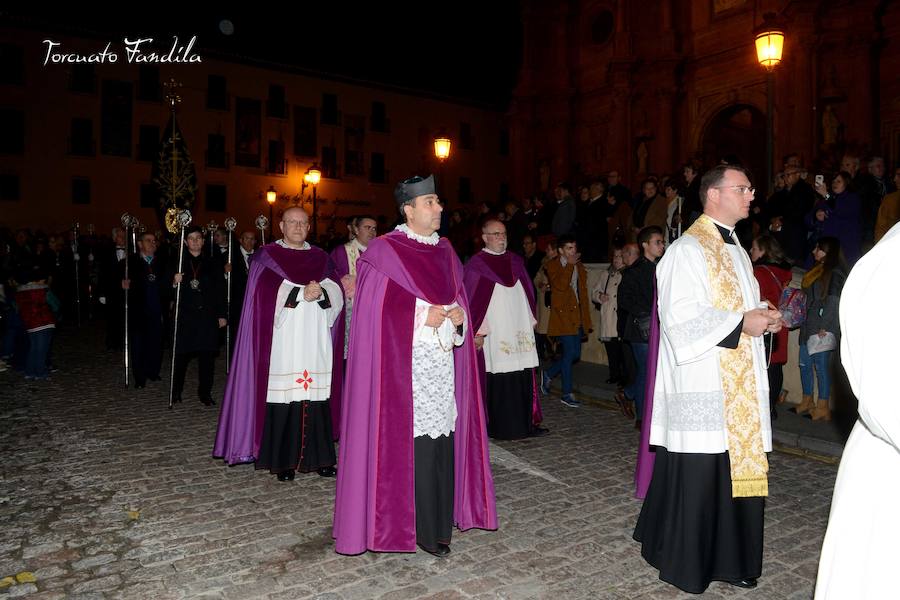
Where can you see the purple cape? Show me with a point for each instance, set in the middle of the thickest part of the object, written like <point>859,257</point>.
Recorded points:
<point>375,500</point>
<point>482,273</point>
<point>646,457</point>
<point>244,405</point>
<point>341,262</point>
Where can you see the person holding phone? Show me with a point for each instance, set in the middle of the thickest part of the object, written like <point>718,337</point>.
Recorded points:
<point>837,214</point>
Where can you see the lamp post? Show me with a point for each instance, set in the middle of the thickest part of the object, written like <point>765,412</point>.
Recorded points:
<point>312,177</point>
<point>769,48</point>
<point>271,196</point>
<point>442,152</point>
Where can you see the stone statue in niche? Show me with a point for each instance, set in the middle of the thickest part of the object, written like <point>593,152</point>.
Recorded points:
<point>642,155</point>
<point>544,170</point>
<point>830,127</point>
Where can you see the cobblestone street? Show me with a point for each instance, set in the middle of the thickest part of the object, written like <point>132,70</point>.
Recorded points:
<point>105,493</point>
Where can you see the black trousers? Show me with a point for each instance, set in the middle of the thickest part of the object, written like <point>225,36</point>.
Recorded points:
<point>776,380</point>
<point>434,490</point>
<point>206,360</point>
<point>616,359</point>
<point>146,351</point>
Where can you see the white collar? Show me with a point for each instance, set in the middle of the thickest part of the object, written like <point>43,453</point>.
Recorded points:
<point>356,243</point>
<point>723,225</point>
<point>431,240</point>
<point>489,251</point>
<point>281,243</point>
<point>244,252</point>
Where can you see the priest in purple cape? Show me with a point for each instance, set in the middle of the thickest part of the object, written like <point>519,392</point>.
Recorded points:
<point>501,300</point>
<point>363,229</point>
<point>287,364</point>
<point>643,470</point>
<point>414,457</point>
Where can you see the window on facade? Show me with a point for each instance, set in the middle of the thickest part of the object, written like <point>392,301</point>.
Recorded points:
<point>276,163</point>
<point>81,139</point>
<point>12,64</point>
<point>9,187</point>
<point>330,168</point>
<point>81,190</point>
<point>465,190</point>
<point>379,121</point>
<point>216,93</point>
<point>466,142</point>
<point>377,172</point>
<point>216,197</point>
<point>12,131</point>
<point>306,131</point>
<point>275,105</point>
<point>148,142</point>
<point>216,157</point>
<point>330,113</point>
<point>148,84</point>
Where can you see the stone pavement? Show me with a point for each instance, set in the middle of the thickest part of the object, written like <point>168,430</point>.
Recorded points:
<point>104,493</point>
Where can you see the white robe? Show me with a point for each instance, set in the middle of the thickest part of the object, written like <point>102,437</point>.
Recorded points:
<point>509,329</point>
<point>302,355</point>
<point>688,401</point>
<point>859,554</point>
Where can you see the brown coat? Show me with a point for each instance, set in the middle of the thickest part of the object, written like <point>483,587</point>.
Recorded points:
<point>888,214</point>
<point>620,220</point>
<point>568,313</point>
<point>657,214</point>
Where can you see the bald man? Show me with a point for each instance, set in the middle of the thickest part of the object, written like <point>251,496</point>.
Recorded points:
<point>286,367</point>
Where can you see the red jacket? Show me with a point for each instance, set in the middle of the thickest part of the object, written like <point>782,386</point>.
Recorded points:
<point>772,280</point>
<point>34,310</point>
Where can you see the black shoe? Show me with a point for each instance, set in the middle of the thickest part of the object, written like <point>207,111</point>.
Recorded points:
<point>286,476</point>
<point>441,551</point>
<point>744,583</point>
<point>176,399</point>
<point>327,472</point>
<point>207,401</point>
<point>539,431</point>
<point>155,378</point>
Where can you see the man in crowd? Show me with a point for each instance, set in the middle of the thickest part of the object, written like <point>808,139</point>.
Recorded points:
<point>414,450</point>
<point>564,216</point>
<point>570,315</point>
<point>703,515</point>
<point>287,360</point>
<point>501,298</point>
<point>148,294</point>
<point>787,209</point>
<point>533,256</point>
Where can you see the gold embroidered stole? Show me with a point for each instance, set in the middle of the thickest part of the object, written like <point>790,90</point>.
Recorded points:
<point>749,466</point>
<point>352,256</point>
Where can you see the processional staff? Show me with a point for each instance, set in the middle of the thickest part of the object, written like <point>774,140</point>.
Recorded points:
<point>129,223</point>
<point>183,218</point>
<point>230,224</point>
<point>261,223</point>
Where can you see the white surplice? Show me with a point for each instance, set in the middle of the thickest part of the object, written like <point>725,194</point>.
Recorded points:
<point>859,554</point>
<point>688,401</point>
<point>509,331</point>
<point>302,355</point>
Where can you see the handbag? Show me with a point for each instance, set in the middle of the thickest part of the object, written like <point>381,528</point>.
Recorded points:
<point>642,326</point>
<point>791,304</point>
<point>817,343</point>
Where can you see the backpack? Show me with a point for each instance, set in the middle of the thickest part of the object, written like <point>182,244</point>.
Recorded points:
<point>791,305</point>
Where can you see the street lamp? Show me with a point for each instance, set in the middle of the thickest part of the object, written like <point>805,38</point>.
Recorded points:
<point>271,196</point>
<point>769,48</point>
<point>312,177</point>
<point>442,153</point>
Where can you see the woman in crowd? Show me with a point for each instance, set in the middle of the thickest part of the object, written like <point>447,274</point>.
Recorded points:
<point>542,288</point>
<point>606,293</point>
<point>773,273</point>
<point>822,285</point>
<point>837,214</point>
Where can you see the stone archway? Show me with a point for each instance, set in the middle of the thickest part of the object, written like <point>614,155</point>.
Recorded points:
<point>739,130</point>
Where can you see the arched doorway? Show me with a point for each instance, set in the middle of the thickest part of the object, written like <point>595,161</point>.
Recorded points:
<point>738,130</point>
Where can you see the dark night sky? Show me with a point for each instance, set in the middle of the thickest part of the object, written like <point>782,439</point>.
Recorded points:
<point>465,50</point>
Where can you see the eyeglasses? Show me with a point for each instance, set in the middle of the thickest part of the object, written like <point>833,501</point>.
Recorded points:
<point>742,189</point>
<point>496,233</point>
<point>297,223</point>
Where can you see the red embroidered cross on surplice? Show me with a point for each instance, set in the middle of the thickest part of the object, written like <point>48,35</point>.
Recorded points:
<point>305,380</point>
